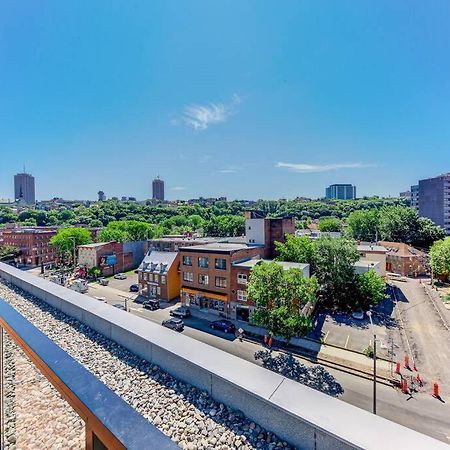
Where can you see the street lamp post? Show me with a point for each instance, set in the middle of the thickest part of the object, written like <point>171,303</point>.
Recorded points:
<point>374,409</point>
<point>73,239</point>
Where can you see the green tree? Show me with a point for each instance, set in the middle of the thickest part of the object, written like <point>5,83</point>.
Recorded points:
<point>334,268</point>
<point>95,272</point>
<point>296,249</point>
<point>112,234</point>
<point>370,289</point>
<point>280,296</point>
<point>65,238</point>
<point>363,225</point>
<point>8,252</point>
<point>440,258</point>
<point>330,224</point>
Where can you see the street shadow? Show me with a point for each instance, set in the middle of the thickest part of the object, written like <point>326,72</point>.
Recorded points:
<point>399,294</point>
<point>219,413</point>
<point>316,333</point>
<point>316,377</point>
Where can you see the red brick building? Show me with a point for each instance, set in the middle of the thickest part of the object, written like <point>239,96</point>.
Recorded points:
<point>110,257</point>
<point>206,274</point>
<point>33,242</point>
<point>404,259</point>
<point>265,231</point>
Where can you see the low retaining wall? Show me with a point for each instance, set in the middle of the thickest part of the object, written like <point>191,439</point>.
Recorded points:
<point>298,414</point>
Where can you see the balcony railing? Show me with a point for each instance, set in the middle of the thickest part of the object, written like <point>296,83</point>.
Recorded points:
<point>110,423</point>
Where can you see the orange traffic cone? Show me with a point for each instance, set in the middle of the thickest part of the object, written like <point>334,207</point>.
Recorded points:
<point>397,368</point>
<point>436,390</point>
<point>405,386</point>
<point>406,362</point>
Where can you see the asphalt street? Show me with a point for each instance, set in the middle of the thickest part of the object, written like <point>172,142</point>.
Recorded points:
<point>421,411</point>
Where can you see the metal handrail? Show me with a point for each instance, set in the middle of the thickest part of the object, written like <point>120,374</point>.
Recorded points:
<point>107,416</point>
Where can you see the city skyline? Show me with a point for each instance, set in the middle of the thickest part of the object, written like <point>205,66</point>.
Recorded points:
<point>305,96</point>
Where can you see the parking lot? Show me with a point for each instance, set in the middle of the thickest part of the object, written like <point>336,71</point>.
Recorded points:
<point>342,330</point>
<point>123,285</point>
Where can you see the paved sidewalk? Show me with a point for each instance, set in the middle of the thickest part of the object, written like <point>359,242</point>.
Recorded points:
<point>316,350</point>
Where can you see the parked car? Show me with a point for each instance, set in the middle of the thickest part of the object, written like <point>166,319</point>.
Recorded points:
<point>174,324</point>
<point>134,288</point>
<point>151,304</point>
<point>223,325</point>
<point>139,299</point>
<point>181,312</point>
<point>119,306</point>
<point>103,281</point>
<point>120,276</point>
<point>358,315</point>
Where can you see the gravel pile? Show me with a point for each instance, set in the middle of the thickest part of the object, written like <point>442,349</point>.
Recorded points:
<point>36,416</point>
<point>190,417</point>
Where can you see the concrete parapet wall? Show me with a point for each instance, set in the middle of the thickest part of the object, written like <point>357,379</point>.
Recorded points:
<point>306,418</point>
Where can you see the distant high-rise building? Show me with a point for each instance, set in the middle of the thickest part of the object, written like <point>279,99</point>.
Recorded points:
<point>158,189</point>
<point>415,197</point>
<point>340,192</point>
<point>406,195</point>
<point>434,200</point>
<point>24,188</point>
<point>101,196</point>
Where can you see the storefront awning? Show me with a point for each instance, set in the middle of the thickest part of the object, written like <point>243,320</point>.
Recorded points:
<point>222,297</point>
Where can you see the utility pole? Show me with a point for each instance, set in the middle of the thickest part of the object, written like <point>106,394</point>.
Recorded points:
<point>374,407</point>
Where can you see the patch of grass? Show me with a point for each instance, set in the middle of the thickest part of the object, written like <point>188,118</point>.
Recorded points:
<point>368,351</point>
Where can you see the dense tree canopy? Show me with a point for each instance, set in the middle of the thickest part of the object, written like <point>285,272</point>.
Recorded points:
<point>393,223</point>
<point>440,257</point>
<point>330,224</point>
<point>66,238</point>
<point>332,262</point>
<point>280,296</point>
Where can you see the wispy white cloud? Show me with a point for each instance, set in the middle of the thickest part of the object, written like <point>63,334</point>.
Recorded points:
<point>312,168</point>
<point>231,169</point>
<point>178,188</point>
<point>200,117</point>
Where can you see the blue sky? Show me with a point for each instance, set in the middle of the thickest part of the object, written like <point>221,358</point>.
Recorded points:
<point>246,99</point>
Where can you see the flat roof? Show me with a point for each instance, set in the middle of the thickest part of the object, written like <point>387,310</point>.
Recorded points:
<point>363,262</point>
<point>218,247</point>
<point>249,263</point>
<point>95,244</point>
<point>371,248</point>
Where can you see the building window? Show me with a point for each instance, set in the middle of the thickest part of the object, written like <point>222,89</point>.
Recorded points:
<point>217,305</point>
<point>188,276</point>
<point>242,278</point>
<point>158,291</point>
<point>221,264</point>
<point>187,261</point>
<point>203,279</point>
<point>221,282</point>
<point>203,262</point>
<point>242,295</point>
<point>156,278</point>
<point>150,277</point>
<point>163,279</point>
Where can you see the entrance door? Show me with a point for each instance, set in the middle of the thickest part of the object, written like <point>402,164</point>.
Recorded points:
<point>242,313</point>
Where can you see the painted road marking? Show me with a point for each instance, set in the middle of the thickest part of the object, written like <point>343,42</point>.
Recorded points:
<point>346,342</point>
<point>326,336</point>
